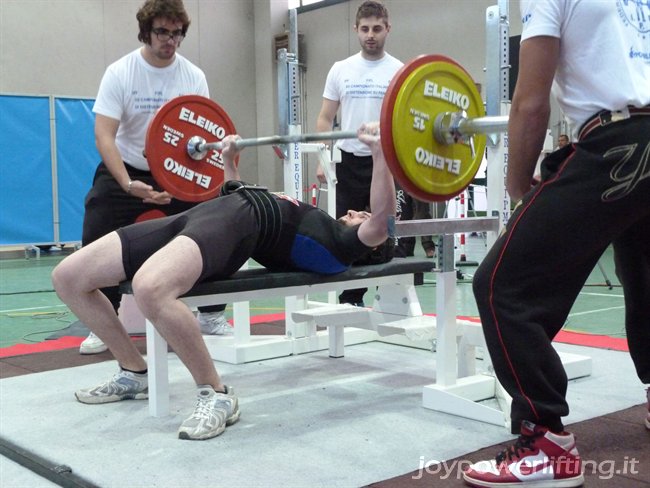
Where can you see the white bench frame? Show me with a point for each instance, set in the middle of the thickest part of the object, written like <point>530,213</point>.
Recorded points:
<point>301,336</point>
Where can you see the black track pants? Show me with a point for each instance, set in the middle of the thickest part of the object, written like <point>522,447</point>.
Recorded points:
<point>593,193</point>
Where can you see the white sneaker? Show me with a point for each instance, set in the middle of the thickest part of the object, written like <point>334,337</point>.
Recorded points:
<point>214,323</point>
<point>212,413</point>
<point>124,385</point>
<point>92,345</point>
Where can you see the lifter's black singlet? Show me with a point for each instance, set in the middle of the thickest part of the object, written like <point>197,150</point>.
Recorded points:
<point>311,240</point>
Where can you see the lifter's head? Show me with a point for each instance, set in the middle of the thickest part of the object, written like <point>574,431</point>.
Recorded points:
<point>354,217</point>
<point>172,11</point>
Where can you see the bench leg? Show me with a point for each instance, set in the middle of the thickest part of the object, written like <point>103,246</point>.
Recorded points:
<point>336,337</point>
<point>158,372</point>
<point>241,322</point>
<point>295,330</point>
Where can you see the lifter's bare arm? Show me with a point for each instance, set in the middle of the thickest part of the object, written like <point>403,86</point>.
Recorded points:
<point>228,155</point>
<point>374,231</point>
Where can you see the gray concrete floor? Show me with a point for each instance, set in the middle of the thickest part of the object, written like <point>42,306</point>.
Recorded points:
<point>307,420</point>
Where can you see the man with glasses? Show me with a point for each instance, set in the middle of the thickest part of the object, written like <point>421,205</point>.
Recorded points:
<point>131,91</point>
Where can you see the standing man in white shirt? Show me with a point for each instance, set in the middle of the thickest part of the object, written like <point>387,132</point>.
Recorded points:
<point>131,91</point>
<point>356,86</point>
<point>593,193</point>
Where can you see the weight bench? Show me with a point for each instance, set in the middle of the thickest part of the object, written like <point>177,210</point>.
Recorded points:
<point>396,309</point>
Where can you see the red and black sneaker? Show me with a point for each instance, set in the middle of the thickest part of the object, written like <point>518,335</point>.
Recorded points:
<point>538,458</point>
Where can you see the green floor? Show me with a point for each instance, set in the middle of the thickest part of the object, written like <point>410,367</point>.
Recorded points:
<point>30,310</point>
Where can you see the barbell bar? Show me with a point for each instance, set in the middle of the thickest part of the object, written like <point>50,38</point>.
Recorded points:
<point>448,128</point>
<point>197,147</point>
<point>432,126</point>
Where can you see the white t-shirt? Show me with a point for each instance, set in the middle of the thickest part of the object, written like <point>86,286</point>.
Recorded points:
<point>132,90</point>
<point>359,86</point>
<point>604,53</point>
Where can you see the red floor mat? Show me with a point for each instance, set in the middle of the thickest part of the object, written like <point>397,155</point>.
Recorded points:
<point>64,342</point>
<point>567,337</point>
<point>592,340</point>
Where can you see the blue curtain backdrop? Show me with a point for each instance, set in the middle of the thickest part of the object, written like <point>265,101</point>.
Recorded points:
<point>77,159</point>
<point>26,174</point>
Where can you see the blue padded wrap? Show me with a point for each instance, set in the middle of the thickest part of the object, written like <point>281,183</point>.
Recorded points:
<point>309,255</point>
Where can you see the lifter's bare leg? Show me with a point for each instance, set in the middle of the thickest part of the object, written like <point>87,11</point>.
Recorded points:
<point>164,277</point>
<point>77,281</point>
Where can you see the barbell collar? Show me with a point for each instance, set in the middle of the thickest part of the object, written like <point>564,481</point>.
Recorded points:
<point>454,127</point>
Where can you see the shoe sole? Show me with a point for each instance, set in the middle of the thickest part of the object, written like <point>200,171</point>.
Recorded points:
<point>96,350</point>
<point>562,483</point>
<point>209,435</point>
<point>97,400</point>
<point>220,331</point>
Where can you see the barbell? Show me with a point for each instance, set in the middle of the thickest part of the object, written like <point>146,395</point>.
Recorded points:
<point>432,127</point>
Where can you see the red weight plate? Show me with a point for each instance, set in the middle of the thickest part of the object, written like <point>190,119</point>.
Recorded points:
<point>166,147</point>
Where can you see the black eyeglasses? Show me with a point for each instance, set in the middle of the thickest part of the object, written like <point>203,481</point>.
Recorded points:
<point>165,35</point>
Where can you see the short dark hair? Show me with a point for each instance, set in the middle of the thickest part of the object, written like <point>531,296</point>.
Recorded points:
<point>171,9</point>
<point>371,8</point>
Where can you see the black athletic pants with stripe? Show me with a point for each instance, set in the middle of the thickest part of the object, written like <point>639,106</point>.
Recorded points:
<point>593,193</point>
<point>108,207</point>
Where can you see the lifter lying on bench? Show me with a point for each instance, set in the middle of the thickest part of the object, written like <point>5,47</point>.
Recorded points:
<point>165,258</point>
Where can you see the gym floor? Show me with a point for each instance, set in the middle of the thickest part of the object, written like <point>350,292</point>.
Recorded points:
<point>307,420</point>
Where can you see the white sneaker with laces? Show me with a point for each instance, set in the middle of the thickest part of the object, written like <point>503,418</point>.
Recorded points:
<point>124,385</point>
<point>214,323</point>
<point>92,345</point>
<point>212,413</point>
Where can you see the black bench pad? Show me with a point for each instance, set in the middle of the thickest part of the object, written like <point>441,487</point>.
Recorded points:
<point>263,279</point>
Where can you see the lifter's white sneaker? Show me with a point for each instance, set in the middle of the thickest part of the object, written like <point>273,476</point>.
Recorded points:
<point>212,413</point>
<point>92,345</point>
<point>124,385</point>
<point>214,323</point>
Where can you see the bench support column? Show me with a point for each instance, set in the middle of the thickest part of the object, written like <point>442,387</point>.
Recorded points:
<point>158,372</point>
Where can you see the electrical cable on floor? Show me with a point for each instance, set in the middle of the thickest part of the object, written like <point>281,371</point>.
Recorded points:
<point>39,316</point>
<point>25,292</point>
<point>52,331</point>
